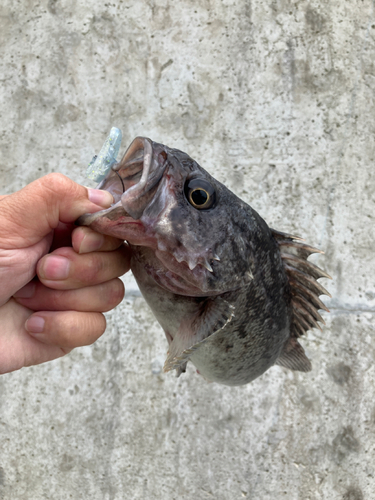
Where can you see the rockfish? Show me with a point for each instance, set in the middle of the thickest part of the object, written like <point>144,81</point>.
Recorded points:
<point>231,294</point>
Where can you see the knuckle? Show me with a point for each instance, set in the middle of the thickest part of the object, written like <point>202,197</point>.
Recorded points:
<point>93,268</point>
<point>55,181</point>
<point>57,299</point>
<point>58,184</point>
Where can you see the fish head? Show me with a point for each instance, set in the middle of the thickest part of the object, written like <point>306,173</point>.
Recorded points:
<point>186,227</point>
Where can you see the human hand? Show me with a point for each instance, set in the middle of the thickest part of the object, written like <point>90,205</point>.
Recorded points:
<point>45,317</point>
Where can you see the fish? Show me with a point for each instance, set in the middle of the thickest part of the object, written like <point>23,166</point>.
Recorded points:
<point>232,295</point>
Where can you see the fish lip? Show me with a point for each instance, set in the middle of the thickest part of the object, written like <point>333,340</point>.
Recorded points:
<point>144,158</point>
<point>138,196</point>
<point>87,219</point>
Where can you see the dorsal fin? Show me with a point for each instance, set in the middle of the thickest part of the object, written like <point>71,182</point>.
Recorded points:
<point>302,277</point>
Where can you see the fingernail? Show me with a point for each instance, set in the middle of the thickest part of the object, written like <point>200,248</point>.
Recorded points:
<point>100,197</point>
<point>91,242</point>
<point>35,324</point>
<point>55,267</point>
<point>26,292</point>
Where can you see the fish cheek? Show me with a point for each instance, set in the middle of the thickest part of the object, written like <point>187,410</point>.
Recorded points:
<point>183,231</point>
<point>180,218</point>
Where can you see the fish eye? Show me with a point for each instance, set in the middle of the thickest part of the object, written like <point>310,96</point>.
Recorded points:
<point>200,193</point>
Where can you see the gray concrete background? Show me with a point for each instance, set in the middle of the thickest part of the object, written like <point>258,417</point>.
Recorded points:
<point>276,99</point>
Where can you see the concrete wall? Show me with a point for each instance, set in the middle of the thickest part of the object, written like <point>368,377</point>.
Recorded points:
<point>276,99</point>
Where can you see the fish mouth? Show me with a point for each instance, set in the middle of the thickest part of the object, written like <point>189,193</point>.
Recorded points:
<point>132,183</point>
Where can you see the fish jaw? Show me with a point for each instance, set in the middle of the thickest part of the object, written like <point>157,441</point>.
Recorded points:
<point>115,221</point>
<point>132,183</point>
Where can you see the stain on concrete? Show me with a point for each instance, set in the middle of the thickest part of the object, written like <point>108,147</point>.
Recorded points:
<point>314,20</point>
<point>309,399</point>
<point>340,373</point>
<point>353,493</point>
<point>343,444</point>
<point>104,27</point>
<point>66,113</point>
<point>51,6</point>
<point>67,463</point>
<point>61,8</point>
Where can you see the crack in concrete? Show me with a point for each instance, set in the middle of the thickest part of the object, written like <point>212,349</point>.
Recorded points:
<point>352,310</point>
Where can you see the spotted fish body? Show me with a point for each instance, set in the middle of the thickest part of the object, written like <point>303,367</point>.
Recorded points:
<point>231,294</point>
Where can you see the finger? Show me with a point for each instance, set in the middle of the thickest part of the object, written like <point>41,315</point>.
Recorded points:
<point>97,298</point>
<point>17,347</point>
<point>64,269</point>
<point>66,329</point>
<point>31,213</point>
<point>86,240</point>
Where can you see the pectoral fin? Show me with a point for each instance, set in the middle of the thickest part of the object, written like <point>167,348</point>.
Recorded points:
<point>213,316</point>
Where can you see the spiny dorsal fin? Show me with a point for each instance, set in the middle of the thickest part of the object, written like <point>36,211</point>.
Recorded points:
<point>293,357</point>
<point>302,276</point>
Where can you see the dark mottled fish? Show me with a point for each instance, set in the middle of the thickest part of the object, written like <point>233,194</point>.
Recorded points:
<point>231,294</point>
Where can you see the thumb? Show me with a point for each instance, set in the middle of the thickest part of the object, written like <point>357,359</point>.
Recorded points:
<point>30,214</point>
